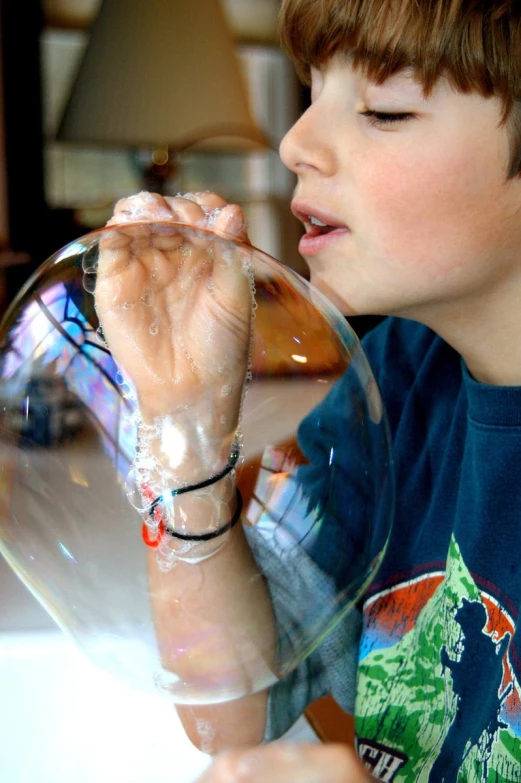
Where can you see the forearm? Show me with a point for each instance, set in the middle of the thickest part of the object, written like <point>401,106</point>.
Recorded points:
<point>215,630</point>
<point>176,310</point>
<point>212,612</point>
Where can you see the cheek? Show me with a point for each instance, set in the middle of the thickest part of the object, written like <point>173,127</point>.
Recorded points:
<point>431,211</point>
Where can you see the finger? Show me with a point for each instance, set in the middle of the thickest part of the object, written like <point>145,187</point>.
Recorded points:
<point>233,272</point>
<point>141,207</point>
<point>166,238</point>
<point>190,212</point>
<point>208,210</point>
<point>288,763</point>
<point>187,210</point>
<point>118,249</point>
<point>114,253</point>
<point>231,222</point>
<point>207,200</point>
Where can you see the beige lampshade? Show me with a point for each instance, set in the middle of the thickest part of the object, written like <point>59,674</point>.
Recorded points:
<point>159,73</point>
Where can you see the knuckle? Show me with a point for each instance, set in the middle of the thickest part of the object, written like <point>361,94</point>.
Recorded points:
<point>184,207</point>
<point>225,766</point>
<point>210,199</point>
<point>343,758</point>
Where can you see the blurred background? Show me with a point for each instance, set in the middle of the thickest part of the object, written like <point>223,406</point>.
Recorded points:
<point>97,105</point>
<point>104,99</point>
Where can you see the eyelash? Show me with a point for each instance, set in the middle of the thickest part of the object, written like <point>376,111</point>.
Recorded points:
<point>377,118</point>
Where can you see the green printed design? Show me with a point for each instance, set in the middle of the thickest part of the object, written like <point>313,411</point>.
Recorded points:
<point>405,700</point>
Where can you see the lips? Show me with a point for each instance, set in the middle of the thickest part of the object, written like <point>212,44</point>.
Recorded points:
<point>322,228</point>
<point>317,228</point>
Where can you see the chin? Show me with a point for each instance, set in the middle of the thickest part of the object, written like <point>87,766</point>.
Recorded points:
<point>336,297</point>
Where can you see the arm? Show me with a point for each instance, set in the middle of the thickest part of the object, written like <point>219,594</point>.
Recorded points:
<point>178,324</point>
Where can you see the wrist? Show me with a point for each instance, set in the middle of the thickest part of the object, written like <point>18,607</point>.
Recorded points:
<point>192,527</point>
<point>175,454</point>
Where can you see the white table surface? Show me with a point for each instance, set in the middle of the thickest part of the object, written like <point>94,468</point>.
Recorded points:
<point>64,720</point>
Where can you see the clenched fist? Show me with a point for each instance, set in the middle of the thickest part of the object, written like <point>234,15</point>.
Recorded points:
<point>175,309</point>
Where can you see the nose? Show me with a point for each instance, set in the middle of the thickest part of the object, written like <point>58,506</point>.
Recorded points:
<point>305,146</point>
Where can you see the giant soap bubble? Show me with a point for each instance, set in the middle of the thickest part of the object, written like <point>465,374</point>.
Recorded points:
<point>155,380</point>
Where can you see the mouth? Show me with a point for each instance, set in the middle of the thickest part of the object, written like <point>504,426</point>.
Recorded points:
<point>320,228</point>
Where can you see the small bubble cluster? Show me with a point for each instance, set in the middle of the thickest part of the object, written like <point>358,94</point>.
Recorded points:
<point>89,263</point>
<point>206,734</point>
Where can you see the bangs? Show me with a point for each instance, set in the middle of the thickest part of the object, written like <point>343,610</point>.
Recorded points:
<point>475,44</point>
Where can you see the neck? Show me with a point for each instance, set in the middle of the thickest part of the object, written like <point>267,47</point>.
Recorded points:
<point>486,332</point>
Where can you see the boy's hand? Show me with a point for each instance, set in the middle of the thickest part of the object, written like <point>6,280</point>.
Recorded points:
<point>176,310</point>
<point>288,763</point>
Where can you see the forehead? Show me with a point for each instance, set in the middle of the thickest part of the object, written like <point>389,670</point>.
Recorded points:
<point>401,83</point>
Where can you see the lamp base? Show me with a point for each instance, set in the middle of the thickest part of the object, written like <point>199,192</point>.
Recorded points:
<point>159,177</point>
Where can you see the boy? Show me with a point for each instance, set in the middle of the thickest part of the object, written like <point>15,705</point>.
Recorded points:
<point>408,164</point>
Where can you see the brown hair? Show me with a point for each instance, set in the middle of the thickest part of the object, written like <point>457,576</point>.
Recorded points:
<point>475,44</point>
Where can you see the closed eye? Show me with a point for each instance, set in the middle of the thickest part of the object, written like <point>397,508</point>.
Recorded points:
<point>381,118</point>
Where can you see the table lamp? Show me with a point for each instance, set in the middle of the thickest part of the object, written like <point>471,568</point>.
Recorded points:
<point>160,75</point>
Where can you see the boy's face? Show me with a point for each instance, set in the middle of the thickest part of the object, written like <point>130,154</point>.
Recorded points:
<point>424,219</point>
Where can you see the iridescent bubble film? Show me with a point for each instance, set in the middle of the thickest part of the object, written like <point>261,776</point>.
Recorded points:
<point>143,360</point>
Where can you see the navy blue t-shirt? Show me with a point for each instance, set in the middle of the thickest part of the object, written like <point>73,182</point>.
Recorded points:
<point>439,674</point>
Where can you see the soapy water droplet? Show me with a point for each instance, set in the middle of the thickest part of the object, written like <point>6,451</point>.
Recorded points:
<point>89,261</point>
<point>153,328</point>
<point>126,391</point>
<point>100,337</point>
<point>211,216</point>
<point>186,352</point>
<point>206,733</point>
<point>147,297</point>
<point>128,305</point>
<point>247,380</point>
<point>89,283</point>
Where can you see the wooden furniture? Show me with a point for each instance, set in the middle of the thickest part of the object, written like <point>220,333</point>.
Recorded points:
<point>329,721</point>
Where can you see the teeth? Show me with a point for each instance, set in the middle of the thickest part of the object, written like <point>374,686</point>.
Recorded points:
<point>315,221</point>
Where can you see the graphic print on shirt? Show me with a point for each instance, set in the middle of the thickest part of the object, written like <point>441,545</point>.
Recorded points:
<point>438,699</point>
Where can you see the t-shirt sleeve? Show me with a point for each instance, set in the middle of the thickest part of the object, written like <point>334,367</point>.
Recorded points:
<point>304,597</point>
<point>336,510</point>
<point>312,542</point>
<point>330,669</point>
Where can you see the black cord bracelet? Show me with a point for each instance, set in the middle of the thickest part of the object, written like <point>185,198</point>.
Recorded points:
<point>214,533</point>
<point>172,493</point>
